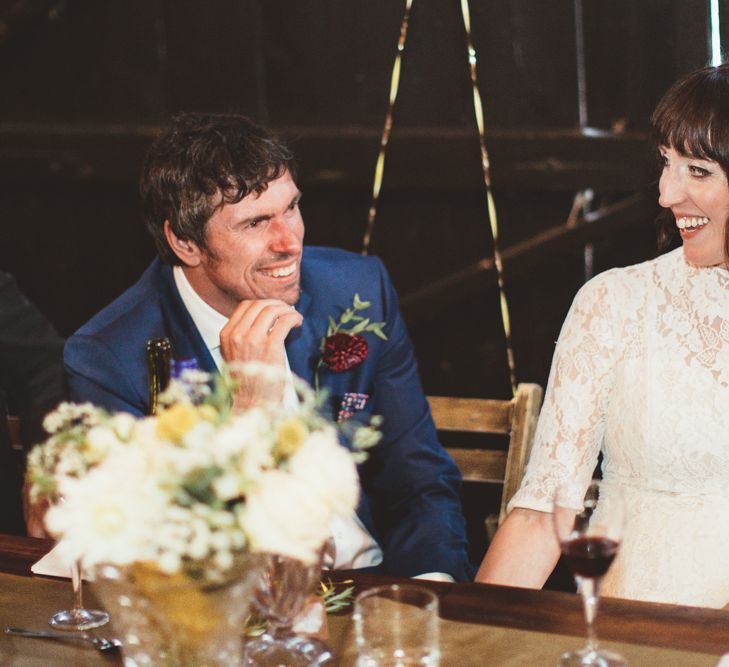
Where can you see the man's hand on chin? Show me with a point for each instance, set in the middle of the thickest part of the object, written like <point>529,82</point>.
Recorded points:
<point>256,331</point>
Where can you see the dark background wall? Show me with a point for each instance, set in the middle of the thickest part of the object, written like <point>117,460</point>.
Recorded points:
<point>86,84</point>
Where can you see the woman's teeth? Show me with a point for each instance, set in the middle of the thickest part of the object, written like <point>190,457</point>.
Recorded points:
<point>691,223</point>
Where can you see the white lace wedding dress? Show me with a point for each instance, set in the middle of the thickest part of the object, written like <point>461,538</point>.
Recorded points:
<point>641,371</point>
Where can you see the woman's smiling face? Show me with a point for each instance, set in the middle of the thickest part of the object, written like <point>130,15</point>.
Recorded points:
<point>697,192</point>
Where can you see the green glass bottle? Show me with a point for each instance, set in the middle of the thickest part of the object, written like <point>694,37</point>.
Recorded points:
<point>159,362</point>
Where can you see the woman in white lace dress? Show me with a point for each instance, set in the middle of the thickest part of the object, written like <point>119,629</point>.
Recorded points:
<point>641,372</point>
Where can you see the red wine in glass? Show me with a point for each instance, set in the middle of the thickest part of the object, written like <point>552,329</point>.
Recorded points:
<point>589,526</point>
<point>590,556</point>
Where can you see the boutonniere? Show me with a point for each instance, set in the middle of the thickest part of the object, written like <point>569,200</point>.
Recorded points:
<point>344,347</point>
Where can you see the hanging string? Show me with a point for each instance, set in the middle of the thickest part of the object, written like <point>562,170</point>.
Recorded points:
<point>385,138</point>
<point>493,220</point>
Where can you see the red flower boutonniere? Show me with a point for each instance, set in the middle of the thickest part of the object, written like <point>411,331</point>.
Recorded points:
<point>343,348</point>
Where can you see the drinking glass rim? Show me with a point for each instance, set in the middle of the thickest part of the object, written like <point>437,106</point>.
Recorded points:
<point>393,593</point>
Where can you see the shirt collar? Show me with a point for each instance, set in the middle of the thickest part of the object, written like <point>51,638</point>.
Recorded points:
<point>208,321</point>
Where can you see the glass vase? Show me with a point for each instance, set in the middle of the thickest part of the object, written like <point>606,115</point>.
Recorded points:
<point>177,620</point>
<point>283,589</point>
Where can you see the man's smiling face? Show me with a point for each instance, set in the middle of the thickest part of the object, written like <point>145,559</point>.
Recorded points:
<point>252,249</point>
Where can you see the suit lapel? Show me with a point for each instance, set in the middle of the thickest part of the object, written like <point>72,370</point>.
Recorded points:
<point>185,338</point>
<point>302,344</point>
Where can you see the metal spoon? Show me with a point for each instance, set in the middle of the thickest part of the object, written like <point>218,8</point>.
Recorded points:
<point>99,643</point>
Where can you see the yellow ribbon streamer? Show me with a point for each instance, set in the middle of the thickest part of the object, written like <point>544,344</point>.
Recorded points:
<point>385,138</point>
<point>478,111</point>
<point>493,220</point>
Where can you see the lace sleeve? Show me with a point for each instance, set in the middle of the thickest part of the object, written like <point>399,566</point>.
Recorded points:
<point>572,421</point>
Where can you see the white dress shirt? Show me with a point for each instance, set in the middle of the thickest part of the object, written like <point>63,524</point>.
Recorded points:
<point>354,546</point>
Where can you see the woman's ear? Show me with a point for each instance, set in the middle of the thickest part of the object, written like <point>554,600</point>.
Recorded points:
<point>187,251</point>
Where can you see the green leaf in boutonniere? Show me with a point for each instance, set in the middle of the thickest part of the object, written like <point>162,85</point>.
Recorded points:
<point>344,347</point>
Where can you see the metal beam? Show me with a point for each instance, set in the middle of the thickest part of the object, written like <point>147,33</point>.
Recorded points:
<point>523,256</point>
<point>435,157</point>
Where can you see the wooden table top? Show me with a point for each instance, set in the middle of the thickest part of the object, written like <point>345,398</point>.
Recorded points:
<point>497,618</point>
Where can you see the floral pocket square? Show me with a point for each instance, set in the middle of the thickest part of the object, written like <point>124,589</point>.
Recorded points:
<point>351,403</point>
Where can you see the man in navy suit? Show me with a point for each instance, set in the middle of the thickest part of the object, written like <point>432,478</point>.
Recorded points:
<point>234,283</point>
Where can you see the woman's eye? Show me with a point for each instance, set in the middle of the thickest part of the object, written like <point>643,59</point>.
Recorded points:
<point>662,160</point>
<point>700,172</point>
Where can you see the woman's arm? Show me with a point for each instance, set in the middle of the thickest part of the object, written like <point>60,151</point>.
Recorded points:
<point>523,552</point>
<point>569,434</point>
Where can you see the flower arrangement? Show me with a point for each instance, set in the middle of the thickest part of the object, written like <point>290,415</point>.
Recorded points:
<point>344,347</point>
<point>185,490</point>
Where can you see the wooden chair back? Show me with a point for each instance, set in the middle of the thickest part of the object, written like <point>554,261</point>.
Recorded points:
<point>516,418</point>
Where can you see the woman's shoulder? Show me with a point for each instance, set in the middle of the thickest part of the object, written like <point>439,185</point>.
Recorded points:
<point>628,288</point>
<point>635,276</point>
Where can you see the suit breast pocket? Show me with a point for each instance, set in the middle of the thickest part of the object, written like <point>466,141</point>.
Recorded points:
<point>351,403</point>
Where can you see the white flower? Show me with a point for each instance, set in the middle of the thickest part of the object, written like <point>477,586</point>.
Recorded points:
<point>70,464</point>
<point>110,515</point>
<point>200,544</point>
<point>100,440</point>
<point>123,425</point>
<point>199,436</point>
<point>145,433</point>
<point>283,516</point>
<point>248,439</point>
<point>223,560</point>
<point>169,562</point>
<point>227,487</point>
<point>328,468</point>
<point>52,422</point>
<point>67,414</point>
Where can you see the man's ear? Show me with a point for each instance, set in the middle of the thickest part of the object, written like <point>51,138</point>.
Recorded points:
<point>188,251</point>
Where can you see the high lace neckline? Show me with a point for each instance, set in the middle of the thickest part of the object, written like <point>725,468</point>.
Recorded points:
<point>721,268</point>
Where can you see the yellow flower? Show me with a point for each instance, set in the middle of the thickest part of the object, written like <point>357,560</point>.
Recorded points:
<point>176,421</point>
<point>208,413</point>
<point>291,434</point>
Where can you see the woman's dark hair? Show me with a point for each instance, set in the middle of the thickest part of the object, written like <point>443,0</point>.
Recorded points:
<point>693,119</point>
<point>200,163</point>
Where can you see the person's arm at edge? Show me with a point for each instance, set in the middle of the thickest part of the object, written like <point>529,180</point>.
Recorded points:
<point>523,552</point>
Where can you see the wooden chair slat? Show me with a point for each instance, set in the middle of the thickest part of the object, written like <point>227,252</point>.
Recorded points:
<point>479,465</point>
<point>516,418</point>
<point>472,415</point>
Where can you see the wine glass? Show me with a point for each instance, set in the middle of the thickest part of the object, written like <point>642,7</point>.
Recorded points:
<point>78,617</point>
<point>589,528</point>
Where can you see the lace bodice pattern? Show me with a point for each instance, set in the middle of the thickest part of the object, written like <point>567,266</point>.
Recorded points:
<point>641,372</point>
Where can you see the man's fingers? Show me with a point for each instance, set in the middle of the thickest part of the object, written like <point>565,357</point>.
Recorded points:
<point>256,331</point>
<point>282,324</point>
<point>247,312</point>
<point>254,318</point>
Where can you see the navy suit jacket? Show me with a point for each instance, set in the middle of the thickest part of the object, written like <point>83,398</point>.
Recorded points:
<point>410,501</point>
